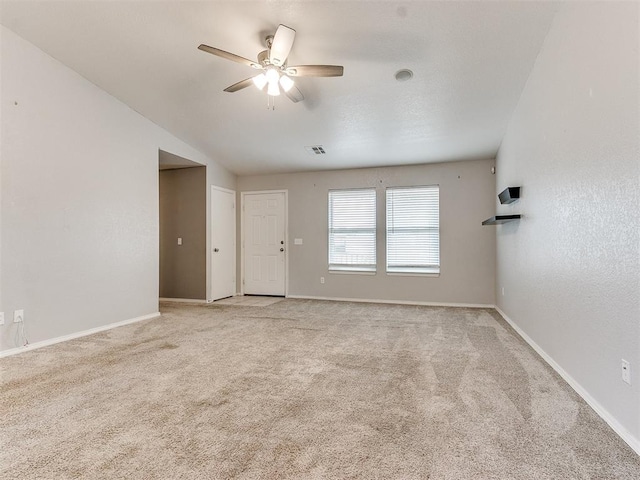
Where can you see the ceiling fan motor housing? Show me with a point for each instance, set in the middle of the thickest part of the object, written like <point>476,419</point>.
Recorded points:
<point>263,58</point>
<point>268,41</point>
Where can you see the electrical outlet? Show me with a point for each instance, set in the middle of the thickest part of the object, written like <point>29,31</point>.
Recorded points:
<point>626,372</point>
<point>1,318</point>
<point>18,316</point>
<point>321,279</point>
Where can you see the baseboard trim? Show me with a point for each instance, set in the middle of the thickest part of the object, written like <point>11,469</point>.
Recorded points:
<point>397,302</point>
<point>622,432</point>
<point>72,336</point>
<point>211,300</point>
<point>182,300</point>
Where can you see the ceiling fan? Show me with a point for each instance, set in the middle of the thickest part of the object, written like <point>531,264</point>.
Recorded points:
<point>276,74</point>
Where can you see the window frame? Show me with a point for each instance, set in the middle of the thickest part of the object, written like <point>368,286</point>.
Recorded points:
<point>343,267</point>
<point>416,269</point>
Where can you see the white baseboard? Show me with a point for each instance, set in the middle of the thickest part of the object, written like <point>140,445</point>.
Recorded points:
<point>398,302</point>
<point>71,336</point>
<point>622,432</point>
<point>211,300</point>
<point>182,300</point>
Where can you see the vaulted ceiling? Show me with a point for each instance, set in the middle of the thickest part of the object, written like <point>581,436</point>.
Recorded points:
<point>470,62</point>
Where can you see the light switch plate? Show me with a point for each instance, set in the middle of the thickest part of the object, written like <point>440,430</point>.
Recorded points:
<point>1,318</point>
<point>297,241</point>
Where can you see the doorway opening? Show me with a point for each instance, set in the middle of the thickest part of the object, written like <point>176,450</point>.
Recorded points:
<point>183,228</point>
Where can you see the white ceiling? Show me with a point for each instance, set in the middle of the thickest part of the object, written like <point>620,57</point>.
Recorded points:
<point>470,62</point>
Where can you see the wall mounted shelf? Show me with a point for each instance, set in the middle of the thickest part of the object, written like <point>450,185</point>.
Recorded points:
<point>509,195</point>
<point>500,219</point>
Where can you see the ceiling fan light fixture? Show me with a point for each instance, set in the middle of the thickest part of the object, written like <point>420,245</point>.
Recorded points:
<point>272,75</point>
<point>286,83</point>
<point>273,89</point>
<point>260,81</point>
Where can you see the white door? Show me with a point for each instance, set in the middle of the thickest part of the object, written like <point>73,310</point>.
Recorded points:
<point>264,243</point>
<point>223,243</point>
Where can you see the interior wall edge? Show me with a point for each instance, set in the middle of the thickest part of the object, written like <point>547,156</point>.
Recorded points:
<point>602,412</point>
<point>394,302</point>
<point>184,300</point>
<point>72,336</point>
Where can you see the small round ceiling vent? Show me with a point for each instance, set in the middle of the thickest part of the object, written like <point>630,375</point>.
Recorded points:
<point>404,75</point>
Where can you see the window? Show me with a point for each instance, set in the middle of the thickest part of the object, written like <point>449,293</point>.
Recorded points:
<point>352,230</point>
<point>413,230</point>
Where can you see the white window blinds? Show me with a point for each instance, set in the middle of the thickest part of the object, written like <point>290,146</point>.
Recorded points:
<point>352,229</point>
<point>413,230</point>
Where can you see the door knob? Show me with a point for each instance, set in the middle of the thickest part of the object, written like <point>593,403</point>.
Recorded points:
<point>282,249</point>
<point>216,250</point>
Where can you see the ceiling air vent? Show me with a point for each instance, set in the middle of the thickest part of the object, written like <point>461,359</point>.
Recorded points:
<point>315,150</point>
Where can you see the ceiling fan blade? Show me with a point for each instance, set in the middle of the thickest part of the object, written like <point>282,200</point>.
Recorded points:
<point>281,46</point>
<point>240,85</point>
<point>228,56</point>
<point>315,71</point>
<point>294,94</point>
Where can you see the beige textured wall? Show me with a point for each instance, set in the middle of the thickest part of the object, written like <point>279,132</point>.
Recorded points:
<point>467,249</point>
<point>79,199</point>
<point>183,196</point>
<point>571,267</point>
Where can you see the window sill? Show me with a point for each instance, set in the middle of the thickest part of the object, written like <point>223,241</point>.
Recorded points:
<point>413,274</point>
<point>352,272</point>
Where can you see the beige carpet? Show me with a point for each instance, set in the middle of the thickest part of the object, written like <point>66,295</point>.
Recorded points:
<point>249,301</point>
<point>300,389</point>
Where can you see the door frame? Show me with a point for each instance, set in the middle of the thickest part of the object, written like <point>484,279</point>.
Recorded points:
<point>286,236</point>
<point>235,261</point>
